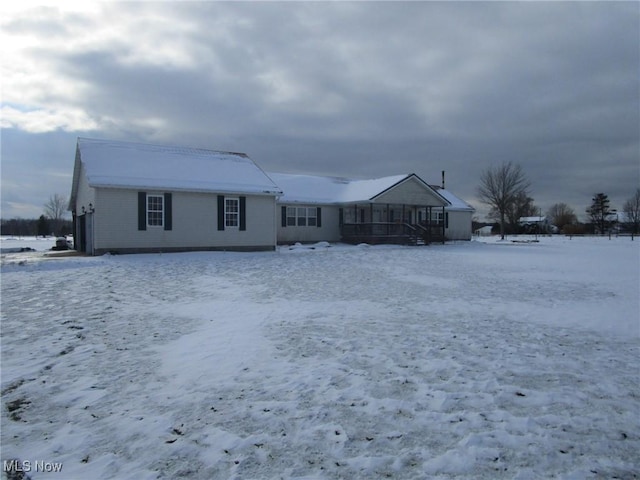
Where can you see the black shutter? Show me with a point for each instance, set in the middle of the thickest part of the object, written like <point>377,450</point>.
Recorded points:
<point>243,213</point>
<point>283,211</point>
<point>319,214</point>
<point>142,210</point>
<point>220,212</point>
<point>168,216</point>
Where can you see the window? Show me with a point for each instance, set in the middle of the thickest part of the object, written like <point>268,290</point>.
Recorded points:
<point>301,217</point>
<point>291,216</point>
<point>438,218</point>
<point>312,217</point>
<point>231,212</point>
<point>155,210</point>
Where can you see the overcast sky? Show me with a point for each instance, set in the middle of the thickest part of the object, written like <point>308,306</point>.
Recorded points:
<point>362,89</point>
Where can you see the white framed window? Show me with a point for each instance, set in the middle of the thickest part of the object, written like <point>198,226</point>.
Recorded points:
<point>155,210</point>
<point>231,212</point>
<point>312,218</point>
<point>301,217</point>
<point>291,216</point>
<point>438,218</point>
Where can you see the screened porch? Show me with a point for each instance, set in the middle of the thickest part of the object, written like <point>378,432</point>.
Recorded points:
<point>402,224</point>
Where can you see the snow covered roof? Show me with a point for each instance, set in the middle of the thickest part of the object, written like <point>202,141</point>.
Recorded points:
<point>532,219</point>
<point>315,189</point>
<point>456,203</point>
<point>110,163</point>
<point>118,164</point>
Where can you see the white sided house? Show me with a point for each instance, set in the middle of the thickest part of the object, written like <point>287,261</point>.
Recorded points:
<point>132,198</point>
<point>397,209</point>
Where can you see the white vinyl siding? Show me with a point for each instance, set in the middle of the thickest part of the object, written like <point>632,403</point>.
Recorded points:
<point>316,228</point>
<point>116,223</point>
<point>410,192</point>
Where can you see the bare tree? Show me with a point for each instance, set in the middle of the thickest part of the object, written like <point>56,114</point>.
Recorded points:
<point>522,206</point>
<point>562,214</point>
<point>631,210</point>
<point>500,188</point>
<point>55,210</point>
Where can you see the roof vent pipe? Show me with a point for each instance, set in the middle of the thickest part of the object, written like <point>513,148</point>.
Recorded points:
<point>443,179</point>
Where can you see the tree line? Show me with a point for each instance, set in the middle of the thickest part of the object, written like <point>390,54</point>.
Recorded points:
<point>505,189</point>
<point>51,222</point>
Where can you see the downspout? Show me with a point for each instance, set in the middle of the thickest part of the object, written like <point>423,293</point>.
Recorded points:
<point>275,220</point>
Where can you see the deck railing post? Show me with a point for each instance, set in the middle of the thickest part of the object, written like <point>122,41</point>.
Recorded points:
<point>443,224</point>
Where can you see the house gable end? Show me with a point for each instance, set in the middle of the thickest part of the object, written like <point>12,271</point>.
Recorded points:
<point>77,168</point>
<point>411,190</point>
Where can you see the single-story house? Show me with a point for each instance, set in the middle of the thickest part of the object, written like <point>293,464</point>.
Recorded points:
<point>394,209</point>
<point>131,197</point>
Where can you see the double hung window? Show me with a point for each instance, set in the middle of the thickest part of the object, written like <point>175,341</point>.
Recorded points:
<point>231,212</point>
<point>291,216</point>
<point>155,210</point>
<point>312,217</point>
<point>301,216</point>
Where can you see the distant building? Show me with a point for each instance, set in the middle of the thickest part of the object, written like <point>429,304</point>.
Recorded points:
<point>483,231</point>
<point>539,224</point>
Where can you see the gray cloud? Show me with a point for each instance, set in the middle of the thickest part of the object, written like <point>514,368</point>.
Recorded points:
<point>352,89</point>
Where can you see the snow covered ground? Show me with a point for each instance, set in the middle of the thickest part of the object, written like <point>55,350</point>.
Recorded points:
<point>481,360</point>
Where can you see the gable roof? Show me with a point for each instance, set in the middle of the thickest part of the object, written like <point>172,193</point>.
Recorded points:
<point>456,202</point>
<point>334,190</point>
<point>118,164</point>
<point>315,189</point>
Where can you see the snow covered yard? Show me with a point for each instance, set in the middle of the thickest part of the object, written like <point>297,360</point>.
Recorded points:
<point>468,360</point>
